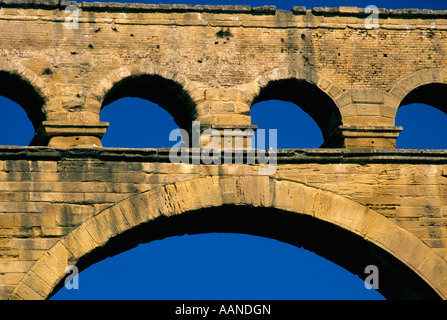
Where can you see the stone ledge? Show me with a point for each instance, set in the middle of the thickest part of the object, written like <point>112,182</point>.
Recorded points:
<point>140,7</point>
<point>356,11</point>
<point>146,7</point>
<point>29,3</point>
<point>143,7</point>
<point>284,156</point>
<point>48,131</point>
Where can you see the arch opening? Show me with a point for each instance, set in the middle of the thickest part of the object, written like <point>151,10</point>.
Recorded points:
<point>311,99</point>
<point>224,266</point>
<point>15,127</point>
<point>166,93</point>
<point>430,94</point>
<point>24,94</point>
<point>143,124</point>
<point>295,128</point>
<point>422,114</point>
<point>348,250</point>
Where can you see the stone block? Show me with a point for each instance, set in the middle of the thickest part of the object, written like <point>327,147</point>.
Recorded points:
<point>24,292</point>
<point>220,94</point>
<point>37,243</point>
<point>367,97</point>
<point>225,119</point>
<point>10,279</point>
<point>99,229</point>
<point>294,199</point>
<point>79,242</point>
<point>134,215</point>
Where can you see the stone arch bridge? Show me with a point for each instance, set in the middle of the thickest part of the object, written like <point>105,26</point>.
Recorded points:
<point>357,200</point>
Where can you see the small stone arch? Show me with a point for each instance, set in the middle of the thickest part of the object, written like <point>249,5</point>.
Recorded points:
<point>252,191</point>
<point>404,90</point>
<point>308,74</point>
<point>188,94</point>
<point>323,108</point>
<point>25,88</point>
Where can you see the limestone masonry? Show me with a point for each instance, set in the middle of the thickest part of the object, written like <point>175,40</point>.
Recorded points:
<point>356,200</point>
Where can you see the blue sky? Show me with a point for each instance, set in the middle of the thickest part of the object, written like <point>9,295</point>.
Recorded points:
<point>227,266</point>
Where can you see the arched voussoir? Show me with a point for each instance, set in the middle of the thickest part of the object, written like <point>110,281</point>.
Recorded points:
<point>27,89</point>
<point>403,86</point>
<point>98,93</point>
<point>308,89</point>
<point>308,75</point>
<point>216,191</point>
<point>424,86</point>
<point>41,87</point>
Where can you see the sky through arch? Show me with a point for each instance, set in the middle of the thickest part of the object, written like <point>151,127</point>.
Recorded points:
<point>15,126</point>
<point>423,127</point>
<point>137,123</point>
<point>296,128</point>
<point>218,266</point>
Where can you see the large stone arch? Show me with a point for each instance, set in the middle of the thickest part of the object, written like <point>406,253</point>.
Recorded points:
<point>253,191</point>
<point>189,94</point>
<point>24,87</point>
<point>318,98</point>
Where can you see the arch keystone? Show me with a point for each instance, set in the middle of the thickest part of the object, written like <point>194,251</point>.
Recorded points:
<point>235,191</point>
<point>290,196</point>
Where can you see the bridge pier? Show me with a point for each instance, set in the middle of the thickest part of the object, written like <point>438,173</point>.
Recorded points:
<point>65,134</point>
<point>383,137</point>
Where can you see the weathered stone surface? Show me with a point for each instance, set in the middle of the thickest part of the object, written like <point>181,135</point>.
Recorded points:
<point>62,201</point>
<point>219,59</point>
<point>395,199</point>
